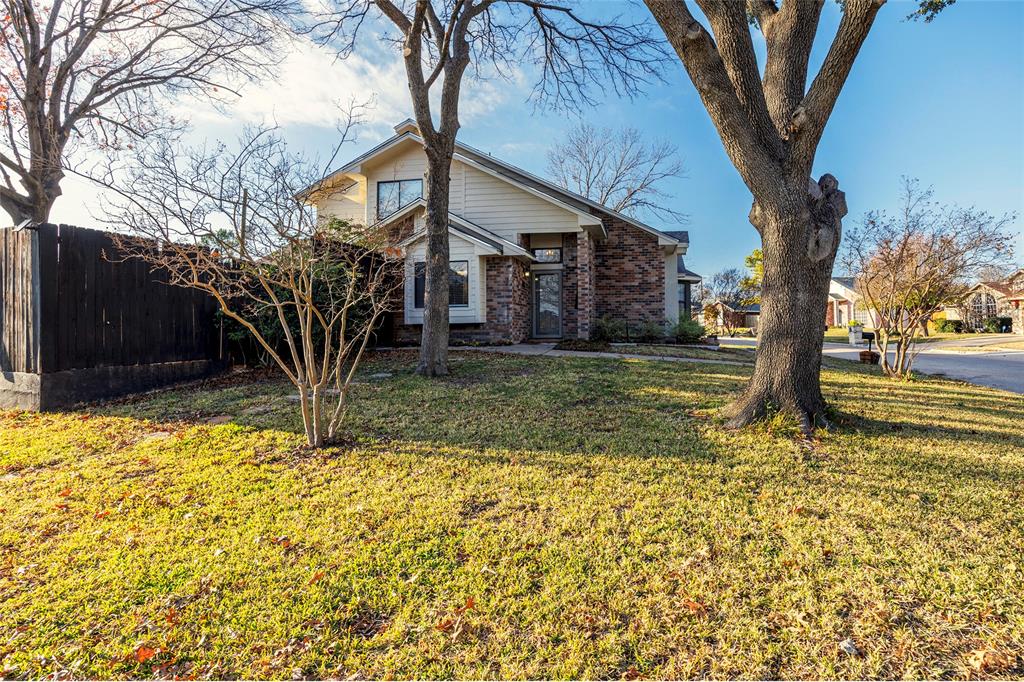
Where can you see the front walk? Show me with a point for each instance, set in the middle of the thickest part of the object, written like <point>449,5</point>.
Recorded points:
<point>549,350</point>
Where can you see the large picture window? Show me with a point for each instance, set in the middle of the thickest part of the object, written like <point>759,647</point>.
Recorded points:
<point>395,194</point>
<point>458,283</point>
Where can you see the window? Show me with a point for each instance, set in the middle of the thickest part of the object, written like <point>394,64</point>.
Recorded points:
<point>458,283</point>
<point>548,255</point>
<point>983,306</point>
<point>395,194</point>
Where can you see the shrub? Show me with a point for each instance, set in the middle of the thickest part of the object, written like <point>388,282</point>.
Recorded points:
<point>583,345</point>
<point>608,330</point>
<point>687,331</point>
<point>650,331</point>
<point>998,325</point>
<point>855,324</point>
<point>949,326</point>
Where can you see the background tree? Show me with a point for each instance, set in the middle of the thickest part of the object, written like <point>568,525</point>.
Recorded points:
<point>619,169</point>
<point>439,40</point>
<point>752,282</point>
<point>908,265</point>
<point>231,223</point>
<point>770,124</point>
<point>92,72</point>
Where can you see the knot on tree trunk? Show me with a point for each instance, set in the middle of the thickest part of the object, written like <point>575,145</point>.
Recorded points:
<point>827,205</point>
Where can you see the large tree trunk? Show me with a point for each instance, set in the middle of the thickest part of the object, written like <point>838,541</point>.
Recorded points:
<point>434,342</point>
<point>800,234</point>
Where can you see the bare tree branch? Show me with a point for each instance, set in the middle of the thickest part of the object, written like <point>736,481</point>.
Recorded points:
<point>618,169</point>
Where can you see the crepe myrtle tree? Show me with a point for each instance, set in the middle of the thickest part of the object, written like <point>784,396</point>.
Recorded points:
<point>94,74</point>
<point>235,224</point>
<point>770,122</point>
<point>908,265</point>
<point>440,40</point>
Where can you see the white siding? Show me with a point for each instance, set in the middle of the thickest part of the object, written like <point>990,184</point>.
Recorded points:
<point>507,210</point>
<point>410,165</point>
<point>345,203</point>
<point>671,289</point>
<point>459,249</point>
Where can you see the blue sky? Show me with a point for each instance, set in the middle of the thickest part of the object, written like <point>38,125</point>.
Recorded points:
<point>943,102</point>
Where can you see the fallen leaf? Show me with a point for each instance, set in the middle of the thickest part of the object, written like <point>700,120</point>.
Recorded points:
<point>317,577</point>
<point>695,607</point>
<point>988,660</point>
<point>65,492</point>
<point>631,674</point>
<point>469,604</point>
<point>445,625</point>
<point>144,653</point>
<point>62,506</point>
<point>101,515</point>
<point>172,616</point>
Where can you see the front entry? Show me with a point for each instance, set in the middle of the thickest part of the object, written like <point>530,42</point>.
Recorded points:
<point>547,305</point>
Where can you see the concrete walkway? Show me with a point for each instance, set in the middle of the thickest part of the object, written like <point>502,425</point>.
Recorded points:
<point>548,350</point>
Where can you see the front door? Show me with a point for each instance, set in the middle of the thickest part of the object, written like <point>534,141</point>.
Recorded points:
<point>547,305</point>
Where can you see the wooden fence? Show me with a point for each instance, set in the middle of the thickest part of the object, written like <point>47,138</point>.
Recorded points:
<point>91,323</point>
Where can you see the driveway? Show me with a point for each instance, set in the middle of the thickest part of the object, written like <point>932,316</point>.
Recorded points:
<point>998,369</point>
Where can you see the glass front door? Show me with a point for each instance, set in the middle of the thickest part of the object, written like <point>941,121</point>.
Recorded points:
<point>547,304</point>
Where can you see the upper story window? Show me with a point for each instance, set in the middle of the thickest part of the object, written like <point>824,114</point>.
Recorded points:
<point>458,283</point>
<point>394,194</point>
<point>548,255</point>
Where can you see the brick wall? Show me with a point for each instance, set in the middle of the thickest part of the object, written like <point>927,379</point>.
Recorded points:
<point>586,285</point>
<point>507,308</point>
<point>630,274</point>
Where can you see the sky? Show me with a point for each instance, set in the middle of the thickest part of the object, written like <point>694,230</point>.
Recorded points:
<point>942,102</point>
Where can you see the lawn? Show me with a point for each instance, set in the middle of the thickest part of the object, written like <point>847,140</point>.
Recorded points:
<point>523,518</point>
<point>725,354</point>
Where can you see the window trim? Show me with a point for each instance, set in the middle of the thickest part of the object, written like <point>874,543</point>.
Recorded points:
<point>561,255</point>
<point>397,181</point>
<point>415,279</point>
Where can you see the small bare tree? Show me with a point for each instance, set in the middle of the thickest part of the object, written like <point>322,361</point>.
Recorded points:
<point>91,73</point>
<point>439,39</point>
<point>908,265</point>
<point>234,224</point>
<point>619,169</point>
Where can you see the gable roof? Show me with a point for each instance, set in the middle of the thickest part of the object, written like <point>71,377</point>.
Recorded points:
<point>576,203</point>
<point>847,282</point>
<point>464,228</point>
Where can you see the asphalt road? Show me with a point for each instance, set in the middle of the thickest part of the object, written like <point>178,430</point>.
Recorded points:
<point>998,369</point>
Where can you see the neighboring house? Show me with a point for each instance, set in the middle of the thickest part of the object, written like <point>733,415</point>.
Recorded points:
<point>733,314</point>
<point>844,305</point>
<point>528,259</point>
<point>991,299</point>
<point>687,279</point>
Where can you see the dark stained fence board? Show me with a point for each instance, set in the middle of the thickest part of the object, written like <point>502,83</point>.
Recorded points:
<point>96,307</point>
<point>19,347</point>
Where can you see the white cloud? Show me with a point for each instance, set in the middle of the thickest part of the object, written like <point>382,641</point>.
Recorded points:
<point>314,84</point>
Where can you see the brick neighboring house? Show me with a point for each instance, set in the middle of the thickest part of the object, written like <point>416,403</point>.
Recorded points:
<point>528,259</point>
<point>992,299</point>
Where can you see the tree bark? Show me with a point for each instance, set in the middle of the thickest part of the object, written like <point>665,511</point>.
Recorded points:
<point>434,341</point>
<point>800,235</point>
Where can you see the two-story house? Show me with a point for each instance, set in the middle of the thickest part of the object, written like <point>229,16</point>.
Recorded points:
<point>528,259</point>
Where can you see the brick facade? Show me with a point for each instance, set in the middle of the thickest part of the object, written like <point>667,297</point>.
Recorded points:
<point>622,277</point>
<point>629,274</point>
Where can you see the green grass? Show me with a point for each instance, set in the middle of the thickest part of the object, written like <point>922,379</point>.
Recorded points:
<point>734,354</point>
<point>593,514</point>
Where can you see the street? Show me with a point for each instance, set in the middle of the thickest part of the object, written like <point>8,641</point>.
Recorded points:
<point>998,369</point>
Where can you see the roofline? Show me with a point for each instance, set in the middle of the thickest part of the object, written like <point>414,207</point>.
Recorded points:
<point>590,218</point>
<point>664,239</point>
<point>573,195</point>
